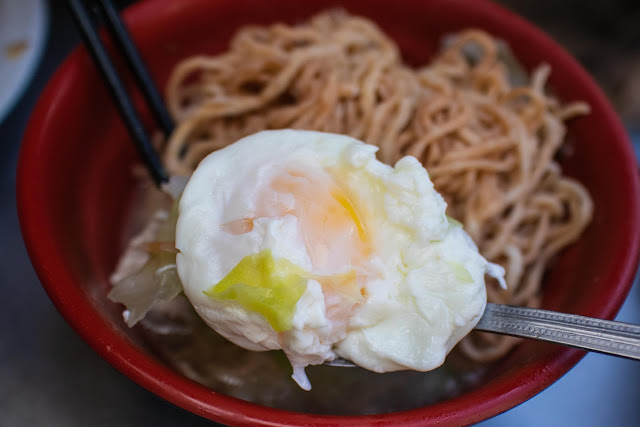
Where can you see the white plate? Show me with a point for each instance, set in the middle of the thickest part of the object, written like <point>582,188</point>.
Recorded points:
<point>23,30</point>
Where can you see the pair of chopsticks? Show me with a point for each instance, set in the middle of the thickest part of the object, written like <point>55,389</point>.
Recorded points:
<point>105,9</point>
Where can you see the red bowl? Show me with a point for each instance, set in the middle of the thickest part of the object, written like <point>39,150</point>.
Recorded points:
<point>74,189</point>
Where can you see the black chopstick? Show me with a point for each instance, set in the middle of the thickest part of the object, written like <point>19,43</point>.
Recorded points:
<point>98,52</point>
<point>127,47</point>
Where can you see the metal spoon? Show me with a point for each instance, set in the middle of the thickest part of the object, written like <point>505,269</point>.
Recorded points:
<point>586,333</point>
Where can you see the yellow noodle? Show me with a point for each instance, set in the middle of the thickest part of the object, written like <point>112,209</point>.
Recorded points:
<point>488,145</point>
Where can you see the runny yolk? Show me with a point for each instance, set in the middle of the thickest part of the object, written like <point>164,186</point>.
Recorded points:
<point>333,231</point>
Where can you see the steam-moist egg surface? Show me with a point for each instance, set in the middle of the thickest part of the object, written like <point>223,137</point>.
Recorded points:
<point>303,241</point>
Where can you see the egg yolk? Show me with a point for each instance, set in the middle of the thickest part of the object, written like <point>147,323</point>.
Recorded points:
<point>332,229</point>
<point>335,238</point>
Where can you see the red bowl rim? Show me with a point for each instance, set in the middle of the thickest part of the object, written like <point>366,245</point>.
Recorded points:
<point>70,301</point>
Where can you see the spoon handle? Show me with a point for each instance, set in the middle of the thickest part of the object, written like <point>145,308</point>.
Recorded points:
<point>587,333</point>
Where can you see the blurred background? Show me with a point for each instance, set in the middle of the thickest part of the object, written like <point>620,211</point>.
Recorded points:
<point>49,376</point>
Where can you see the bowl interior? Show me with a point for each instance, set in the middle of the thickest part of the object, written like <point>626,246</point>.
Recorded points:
<point>76,191</point>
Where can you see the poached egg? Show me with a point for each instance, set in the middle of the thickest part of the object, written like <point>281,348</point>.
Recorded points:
<point>303,241</point>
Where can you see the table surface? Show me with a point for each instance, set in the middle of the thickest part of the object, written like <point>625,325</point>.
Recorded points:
<point>49,376</point>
